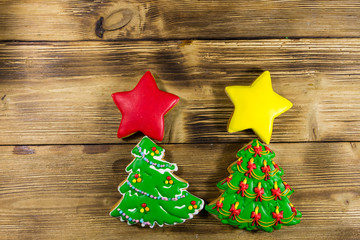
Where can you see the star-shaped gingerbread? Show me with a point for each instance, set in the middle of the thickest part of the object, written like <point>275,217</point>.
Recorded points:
<point>256,107</point>
<point>143,108</point>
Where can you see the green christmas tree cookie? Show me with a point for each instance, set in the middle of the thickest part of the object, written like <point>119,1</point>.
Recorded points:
<point>254,195</point>
<point>151,193</point>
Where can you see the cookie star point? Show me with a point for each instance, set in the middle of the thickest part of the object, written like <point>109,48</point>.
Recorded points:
<point>256,107</point>
<point>143,108</point>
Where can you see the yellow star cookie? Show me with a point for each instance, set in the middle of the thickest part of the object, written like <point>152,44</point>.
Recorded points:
<point>256,107</point>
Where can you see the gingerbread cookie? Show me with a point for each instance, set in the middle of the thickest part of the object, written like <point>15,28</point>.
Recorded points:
<point>152,193</point>
<point>256,107</point>
<point>143,108</point>
<point>254,195</point>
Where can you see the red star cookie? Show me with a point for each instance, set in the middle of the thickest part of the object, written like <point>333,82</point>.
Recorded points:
<point>143,108</point>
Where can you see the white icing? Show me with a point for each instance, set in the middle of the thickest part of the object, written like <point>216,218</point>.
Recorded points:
<point>146,152</point>
<point>162,208</point>
<point>190,216</point>
<point>158,194</point>
<point>180,207</point>
<point>161,170</point>
<point>132,210</point>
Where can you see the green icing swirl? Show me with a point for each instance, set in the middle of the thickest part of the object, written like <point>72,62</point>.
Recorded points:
<point>153,198</point>
<point>247,203</point>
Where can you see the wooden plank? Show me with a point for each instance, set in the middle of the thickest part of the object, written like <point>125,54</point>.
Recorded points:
<point>60,93</point>
<point>66,192</point>
<point>75,20</point>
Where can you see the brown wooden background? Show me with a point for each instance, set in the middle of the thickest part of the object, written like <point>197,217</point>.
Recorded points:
<point>60,160</point>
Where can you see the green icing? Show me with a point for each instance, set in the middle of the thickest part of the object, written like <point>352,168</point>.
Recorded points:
<point>247,203</point>
<point>151,193</point>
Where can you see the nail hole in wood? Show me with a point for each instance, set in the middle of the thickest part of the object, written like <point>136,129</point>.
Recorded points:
<point>99,30</point>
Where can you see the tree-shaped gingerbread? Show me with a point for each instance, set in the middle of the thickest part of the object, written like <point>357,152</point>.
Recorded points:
<point>151,193</point>
<point>254,195</point>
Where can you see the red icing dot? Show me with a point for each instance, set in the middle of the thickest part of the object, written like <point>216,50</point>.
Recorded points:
<point>168,178</point>
<point>193,202</point>
<point>153,149</point>
<point>136,175</point>
<point>143,205</point>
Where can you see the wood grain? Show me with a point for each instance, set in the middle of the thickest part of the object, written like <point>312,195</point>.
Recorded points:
<point>60,166</point>
<point>57,20</point>
<point>65,192</point>
<point>59,93</point>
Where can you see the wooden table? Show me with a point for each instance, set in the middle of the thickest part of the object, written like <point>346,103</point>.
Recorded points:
<point>60,159</point>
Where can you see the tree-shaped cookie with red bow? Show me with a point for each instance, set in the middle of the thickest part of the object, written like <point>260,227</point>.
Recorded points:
<point>254,195</point>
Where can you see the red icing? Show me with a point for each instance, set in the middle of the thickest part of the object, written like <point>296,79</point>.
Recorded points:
<point>234,212</point>
<point>193,202</point>
<point>287,186</point>
<point>257,151</point>
<point>143,108</point>
<point>268,149</point>
<point>251,166</point>
<point>266,170</point>
<point>239,162</point>
<point>136,175</point>
<point>248,147</point>
<point>278,217</point>
<point>143,205</point>
<point>218,205</point>
<point>259,192</point>
<point>153,149</point>
<point>275,165</point>
<point>256,218</point>
<point>276,193</point>
<point>242,189</point>
<point>293,209</point>
<point>168,178</point>
<point>228,179</point>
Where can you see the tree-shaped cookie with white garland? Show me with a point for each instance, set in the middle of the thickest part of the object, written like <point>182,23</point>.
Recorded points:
<point>152,193</point>
<point>254,195</point>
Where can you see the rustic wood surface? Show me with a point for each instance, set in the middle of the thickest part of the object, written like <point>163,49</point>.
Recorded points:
<point>67,191</point>
<point>60,93</point>
<point>187,19</point>
<point>60,160</point>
